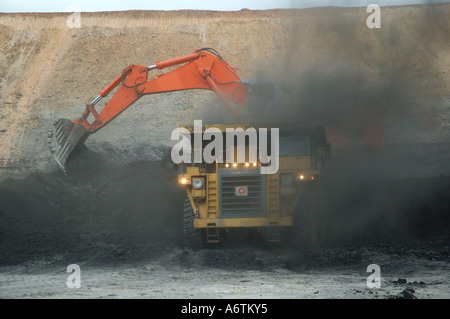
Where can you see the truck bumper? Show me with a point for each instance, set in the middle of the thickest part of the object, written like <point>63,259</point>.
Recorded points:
<point>243,222</point>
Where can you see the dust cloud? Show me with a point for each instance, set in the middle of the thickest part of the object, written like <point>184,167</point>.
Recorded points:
<point>375,92</point>
<point>387,192</point>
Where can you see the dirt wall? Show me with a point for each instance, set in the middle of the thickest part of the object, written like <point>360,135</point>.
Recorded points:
<point>331,61</point>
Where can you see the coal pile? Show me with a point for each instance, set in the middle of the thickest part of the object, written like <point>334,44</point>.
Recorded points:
<point>100,207</point>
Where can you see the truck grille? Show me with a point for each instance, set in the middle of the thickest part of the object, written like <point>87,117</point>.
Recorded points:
<point>251,205</point>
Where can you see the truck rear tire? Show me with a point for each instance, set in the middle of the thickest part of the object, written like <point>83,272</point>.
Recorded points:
<point>309,229</point>
<point>193,237</point>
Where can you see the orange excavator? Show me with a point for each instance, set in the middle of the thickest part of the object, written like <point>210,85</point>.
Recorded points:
<point>203,69</point>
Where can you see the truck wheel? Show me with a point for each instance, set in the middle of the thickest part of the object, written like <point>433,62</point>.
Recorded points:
<point>308,230</point>
<point>193,237</point>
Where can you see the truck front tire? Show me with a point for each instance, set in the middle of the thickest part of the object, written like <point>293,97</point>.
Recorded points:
<point>193,237</point>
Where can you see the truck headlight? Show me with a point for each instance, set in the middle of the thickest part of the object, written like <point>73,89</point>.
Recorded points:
<point>197,183</point>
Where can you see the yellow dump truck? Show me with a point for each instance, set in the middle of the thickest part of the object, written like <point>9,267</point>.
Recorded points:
<point>227,195</point>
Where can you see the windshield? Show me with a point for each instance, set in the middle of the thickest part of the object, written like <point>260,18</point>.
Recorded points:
<point>295,146</point>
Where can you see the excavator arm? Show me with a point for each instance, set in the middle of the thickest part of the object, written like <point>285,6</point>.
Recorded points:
<point>203,69</point>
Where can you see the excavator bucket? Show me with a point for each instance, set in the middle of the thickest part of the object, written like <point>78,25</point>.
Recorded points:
<point>63,137</point>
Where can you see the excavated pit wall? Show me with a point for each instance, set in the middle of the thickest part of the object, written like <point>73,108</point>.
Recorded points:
<point>332,63</point>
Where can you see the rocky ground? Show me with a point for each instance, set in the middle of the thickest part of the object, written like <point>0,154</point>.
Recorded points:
<point>171,271</point>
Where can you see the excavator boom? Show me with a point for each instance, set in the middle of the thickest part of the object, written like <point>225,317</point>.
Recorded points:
<point>203,69</point>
